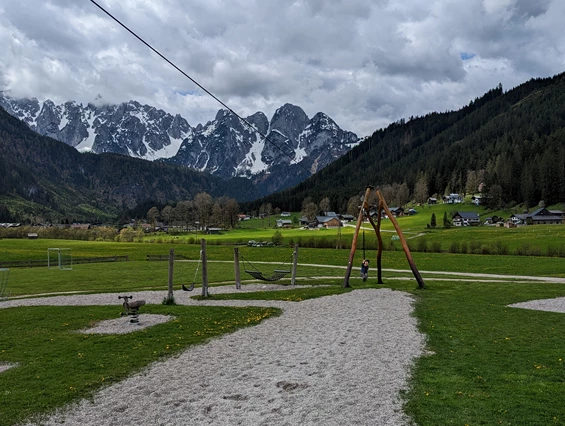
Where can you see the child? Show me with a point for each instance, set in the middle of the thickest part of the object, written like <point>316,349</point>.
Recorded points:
<point>365,270</point>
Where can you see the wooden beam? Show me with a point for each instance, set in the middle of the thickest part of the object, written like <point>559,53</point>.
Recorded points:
<point>355,237</point>
<point>377,229</point>
<point>411,262</point>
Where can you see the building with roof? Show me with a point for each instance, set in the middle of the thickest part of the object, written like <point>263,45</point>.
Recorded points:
<point>466,219</point>
<point>541,216</point>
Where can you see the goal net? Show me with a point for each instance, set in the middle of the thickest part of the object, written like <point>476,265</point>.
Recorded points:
<point>60,258</point>
<point>4,273</point>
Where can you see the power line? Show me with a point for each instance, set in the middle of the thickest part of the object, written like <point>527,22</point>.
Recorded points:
<point>247,123</point>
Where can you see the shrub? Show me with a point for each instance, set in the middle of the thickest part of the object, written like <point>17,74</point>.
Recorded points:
<point>422,245</point>
<point>475,247</point>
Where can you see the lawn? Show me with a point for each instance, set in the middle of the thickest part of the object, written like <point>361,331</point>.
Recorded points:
<point>486,363</point>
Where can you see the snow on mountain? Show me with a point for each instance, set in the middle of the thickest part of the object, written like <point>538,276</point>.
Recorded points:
<point>225,146</point>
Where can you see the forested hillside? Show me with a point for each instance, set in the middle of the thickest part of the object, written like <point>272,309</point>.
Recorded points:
<point>45,178</point>
<point>513,143</point>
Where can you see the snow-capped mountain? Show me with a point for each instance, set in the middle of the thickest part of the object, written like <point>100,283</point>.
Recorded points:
<point>129,128</point>
<point>226,146</point>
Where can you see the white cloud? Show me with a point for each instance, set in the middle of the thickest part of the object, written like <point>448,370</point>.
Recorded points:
<point>363,62</point>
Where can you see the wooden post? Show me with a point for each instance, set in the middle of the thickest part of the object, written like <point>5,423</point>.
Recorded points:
<point>236,268</point>
<point>380,251</point>
<point>411,262</point>
<point>294,264</point>
<point>204,268</point>
<point>377,229</point>
<point>171,272</point>
<point>355,236</point>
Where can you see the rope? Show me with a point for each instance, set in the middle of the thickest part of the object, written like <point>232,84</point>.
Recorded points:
<point>243,120</point>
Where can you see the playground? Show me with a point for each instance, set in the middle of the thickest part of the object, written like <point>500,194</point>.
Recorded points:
<point>482,343</point>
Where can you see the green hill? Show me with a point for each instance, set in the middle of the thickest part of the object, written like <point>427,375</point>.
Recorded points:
<point>514,141</point>
<point>42,177</point>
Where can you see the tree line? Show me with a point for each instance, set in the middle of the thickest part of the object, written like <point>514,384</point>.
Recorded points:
<point>198,213</point>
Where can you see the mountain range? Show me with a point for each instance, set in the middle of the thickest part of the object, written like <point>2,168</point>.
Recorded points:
<point>514,140</point>
<point>226,147</point>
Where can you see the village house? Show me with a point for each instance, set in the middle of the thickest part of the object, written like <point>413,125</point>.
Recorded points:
<point>82,226</point>
<point>452,199</point>
<point>466,219</point>
<point>284,223</point>
<point>397,211</point>
<point>328,221</point>
<point>213,231</point>
<point>541,216</point>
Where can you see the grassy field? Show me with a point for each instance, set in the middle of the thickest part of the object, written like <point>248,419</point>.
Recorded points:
<point>487,363</point>
<point>545,240</point>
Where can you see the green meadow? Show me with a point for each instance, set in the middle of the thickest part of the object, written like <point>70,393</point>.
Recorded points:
<point>485,362</point>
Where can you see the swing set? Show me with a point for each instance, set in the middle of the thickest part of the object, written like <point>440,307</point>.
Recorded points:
<point>249,268</point>
<point>281,271</point>
<point>365,213</point>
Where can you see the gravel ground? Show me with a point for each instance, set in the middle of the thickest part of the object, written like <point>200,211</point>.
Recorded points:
<point>335,360</point>
<point>550,305</point>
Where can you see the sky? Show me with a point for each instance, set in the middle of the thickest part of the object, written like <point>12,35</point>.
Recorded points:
<point>365,63</point>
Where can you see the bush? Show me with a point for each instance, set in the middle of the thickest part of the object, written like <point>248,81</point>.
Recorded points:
<point>277,238</point>
<point>475,247</point>
<point>422,245</point>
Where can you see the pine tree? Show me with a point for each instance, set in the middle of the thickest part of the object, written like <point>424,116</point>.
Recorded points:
<point>433,222</point>
<point>446,222</point>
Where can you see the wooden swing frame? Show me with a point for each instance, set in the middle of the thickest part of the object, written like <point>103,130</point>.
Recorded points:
<point>365,212</point>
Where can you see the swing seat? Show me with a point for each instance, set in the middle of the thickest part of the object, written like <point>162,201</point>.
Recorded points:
<point>277,275</point>
<point>190,288</point>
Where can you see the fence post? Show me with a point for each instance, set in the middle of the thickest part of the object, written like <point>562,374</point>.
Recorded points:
<point>294,264</point>
<point>171,272</point>
<point>236,268</point>
<point>204,268</point>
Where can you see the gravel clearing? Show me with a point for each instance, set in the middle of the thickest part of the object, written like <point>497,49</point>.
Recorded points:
<point>549,305</point>
<point>335,360</point>
<point>123,325</point>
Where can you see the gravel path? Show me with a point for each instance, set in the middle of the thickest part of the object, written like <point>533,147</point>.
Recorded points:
<point>335,360</point>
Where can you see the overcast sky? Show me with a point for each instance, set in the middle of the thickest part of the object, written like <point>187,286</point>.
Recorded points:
<point>365,63</point>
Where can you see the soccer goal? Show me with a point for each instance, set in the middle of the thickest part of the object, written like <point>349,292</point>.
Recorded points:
<point>60,258</point>
<point>4,273</point>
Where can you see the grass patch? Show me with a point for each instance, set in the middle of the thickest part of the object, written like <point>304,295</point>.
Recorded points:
<point>57,365</point>
<point>491,364</point>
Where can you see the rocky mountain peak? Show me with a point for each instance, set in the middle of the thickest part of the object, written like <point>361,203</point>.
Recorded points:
<point>225,146</point>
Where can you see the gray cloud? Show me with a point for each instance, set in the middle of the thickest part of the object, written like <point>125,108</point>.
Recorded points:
<point>363,62</point>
